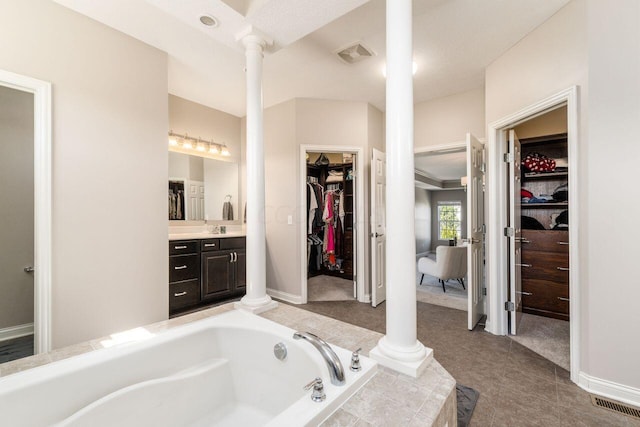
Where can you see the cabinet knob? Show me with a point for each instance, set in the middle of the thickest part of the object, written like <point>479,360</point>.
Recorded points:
<point>179,267</point>
<point>180,294</point>
<point>563,243</point>
<point>180,247</point>
<point>563,299</point>
<point>562,268</point>
<point>524,265</point>
<point>209,245</point>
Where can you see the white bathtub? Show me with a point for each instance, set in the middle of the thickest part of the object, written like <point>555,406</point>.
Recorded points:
<point>220,371</point>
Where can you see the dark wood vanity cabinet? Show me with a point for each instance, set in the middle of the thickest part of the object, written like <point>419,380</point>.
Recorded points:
<point>184,275</point>
<point>205,271</point>
<point>223,269</point>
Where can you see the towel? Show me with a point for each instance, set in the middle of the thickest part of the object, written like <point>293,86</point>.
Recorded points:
<point>227,211</point>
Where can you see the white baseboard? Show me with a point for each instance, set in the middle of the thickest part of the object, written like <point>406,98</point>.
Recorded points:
<point>284,296</point>
<point>16,331</point>
<point>605,388</point>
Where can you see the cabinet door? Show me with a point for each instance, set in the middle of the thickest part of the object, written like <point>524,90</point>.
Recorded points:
<point>241,270</point>
<point>217,274</point>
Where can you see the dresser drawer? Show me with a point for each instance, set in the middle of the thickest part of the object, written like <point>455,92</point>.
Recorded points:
<point>545,241</point>
<point>209,245</point>
<point>184,294</point>
<point>184,267</point>
<point>233,243</point>
<point>545,295</point>
<point>546,266</point>
<point>179,247</point>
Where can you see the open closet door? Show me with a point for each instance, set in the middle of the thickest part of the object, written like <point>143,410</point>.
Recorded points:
<point>515,233</point>
<point>378,239</point>
<point>475,229</point>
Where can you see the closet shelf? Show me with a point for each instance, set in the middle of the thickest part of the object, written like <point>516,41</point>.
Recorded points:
<point>545,205</point>
<point>545,175</point>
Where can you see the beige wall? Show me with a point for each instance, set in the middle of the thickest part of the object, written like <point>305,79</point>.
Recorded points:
<point>550,59</point>
<point>109,166</point>
<point>207,123</point>
<point>287,126</point>
<point>447,120</point>
<point>551,123</point>
<point>611,227</point>
<point>16,208</point>
<point>582,45</point>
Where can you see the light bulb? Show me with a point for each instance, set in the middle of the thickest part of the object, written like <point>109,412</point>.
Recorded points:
<point>173,141</point>
<point>225,152</point>
<point>200,147</point>
<point>213,149</point>
<point>187,144</point>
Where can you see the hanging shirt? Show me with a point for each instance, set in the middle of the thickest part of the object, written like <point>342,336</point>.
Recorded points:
<point>313,205</point>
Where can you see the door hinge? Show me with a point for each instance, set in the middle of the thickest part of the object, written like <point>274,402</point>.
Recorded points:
<point>483,167</point>
<point>509,306</point>
<point>484,291</point>
<point>508,157</point>
<point>509,231</point>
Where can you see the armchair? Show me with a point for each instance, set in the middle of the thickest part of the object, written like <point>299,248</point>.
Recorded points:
<point>450,263</point>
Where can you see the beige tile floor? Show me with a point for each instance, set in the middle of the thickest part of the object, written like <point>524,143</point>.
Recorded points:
<point>518,387</point>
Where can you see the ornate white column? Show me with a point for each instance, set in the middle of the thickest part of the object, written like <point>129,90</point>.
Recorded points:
<point>256,299</point>
<point>399,349</point>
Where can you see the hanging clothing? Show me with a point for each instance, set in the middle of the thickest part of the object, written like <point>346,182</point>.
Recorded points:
<point>312,205</point>
<point>341,210</point>
<point>327,216</point>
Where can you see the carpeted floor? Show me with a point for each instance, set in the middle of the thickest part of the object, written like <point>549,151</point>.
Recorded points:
<point>430,291</point>
<point>16,348</point>
<point>547,337</point>
<point>329,288</point>
<point>517,386</point>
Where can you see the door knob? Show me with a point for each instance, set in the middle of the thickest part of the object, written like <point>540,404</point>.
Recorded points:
<point>28,269</point>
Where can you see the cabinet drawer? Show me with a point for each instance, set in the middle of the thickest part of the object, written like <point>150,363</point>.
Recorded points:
<point>546,266</point>
<point>233,243</point>
<point>545,241</point>
<point>210,245</point>
<point>183,267</point>
<point>184,294</point>
<point>545,295</point>
<point>178,247</point>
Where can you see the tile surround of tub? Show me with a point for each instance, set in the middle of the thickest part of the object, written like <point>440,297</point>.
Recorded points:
<point>389,398</point>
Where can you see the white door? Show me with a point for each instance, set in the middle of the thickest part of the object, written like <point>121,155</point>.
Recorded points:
<point>475,228</point>
<point>378,239</point>
<point>515,238</point>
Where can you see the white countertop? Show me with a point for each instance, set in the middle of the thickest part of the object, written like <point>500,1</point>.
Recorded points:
<point>205,235</point>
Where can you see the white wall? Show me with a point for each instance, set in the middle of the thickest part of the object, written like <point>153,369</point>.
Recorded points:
<point>423,220</point>
<point>612,206</point>
<point>110,266</point>
<point>16,207</point>
<point>448,119</point>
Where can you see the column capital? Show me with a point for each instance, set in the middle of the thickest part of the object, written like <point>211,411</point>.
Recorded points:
<point>251,37</point>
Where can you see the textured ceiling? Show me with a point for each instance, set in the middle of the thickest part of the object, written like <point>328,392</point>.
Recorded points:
<point>454,40</point>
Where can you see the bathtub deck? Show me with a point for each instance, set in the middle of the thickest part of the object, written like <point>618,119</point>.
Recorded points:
<point>389,398</point>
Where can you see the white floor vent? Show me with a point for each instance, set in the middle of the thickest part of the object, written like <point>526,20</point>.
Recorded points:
<point>612,405</point>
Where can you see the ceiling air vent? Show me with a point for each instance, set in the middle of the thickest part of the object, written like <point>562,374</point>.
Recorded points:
<point>354,53</point>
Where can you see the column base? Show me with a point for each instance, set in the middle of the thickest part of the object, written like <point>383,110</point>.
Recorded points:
<point>256,305</point>
<point>410,361</point>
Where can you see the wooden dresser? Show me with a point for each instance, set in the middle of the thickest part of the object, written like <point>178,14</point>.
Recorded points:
<point>545,273</point>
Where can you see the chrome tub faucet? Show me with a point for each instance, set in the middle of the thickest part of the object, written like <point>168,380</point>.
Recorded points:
<point>336,371</point>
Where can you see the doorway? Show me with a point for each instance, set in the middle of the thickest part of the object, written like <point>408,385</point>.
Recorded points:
<point>505,303</point>
<point>25,167</point>
<point>332,203</point>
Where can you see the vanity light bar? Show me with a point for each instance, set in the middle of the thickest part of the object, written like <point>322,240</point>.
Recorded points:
<point>199,144</point>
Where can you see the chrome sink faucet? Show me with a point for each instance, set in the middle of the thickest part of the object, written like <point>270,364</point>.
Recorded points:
<point>336,371</point>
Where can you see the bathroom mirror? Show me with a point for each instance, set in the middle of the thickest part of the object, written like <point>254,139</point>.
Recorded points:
<point>199,187</point>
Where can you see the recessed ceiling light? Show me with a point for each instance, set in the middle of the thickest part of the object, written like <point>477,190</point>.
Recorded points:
<point>209,21</point>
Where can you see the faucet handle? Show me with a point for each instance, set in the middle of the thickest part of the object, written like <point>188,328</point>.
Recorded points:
<point>318,394</point>
<point>355,360</point>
